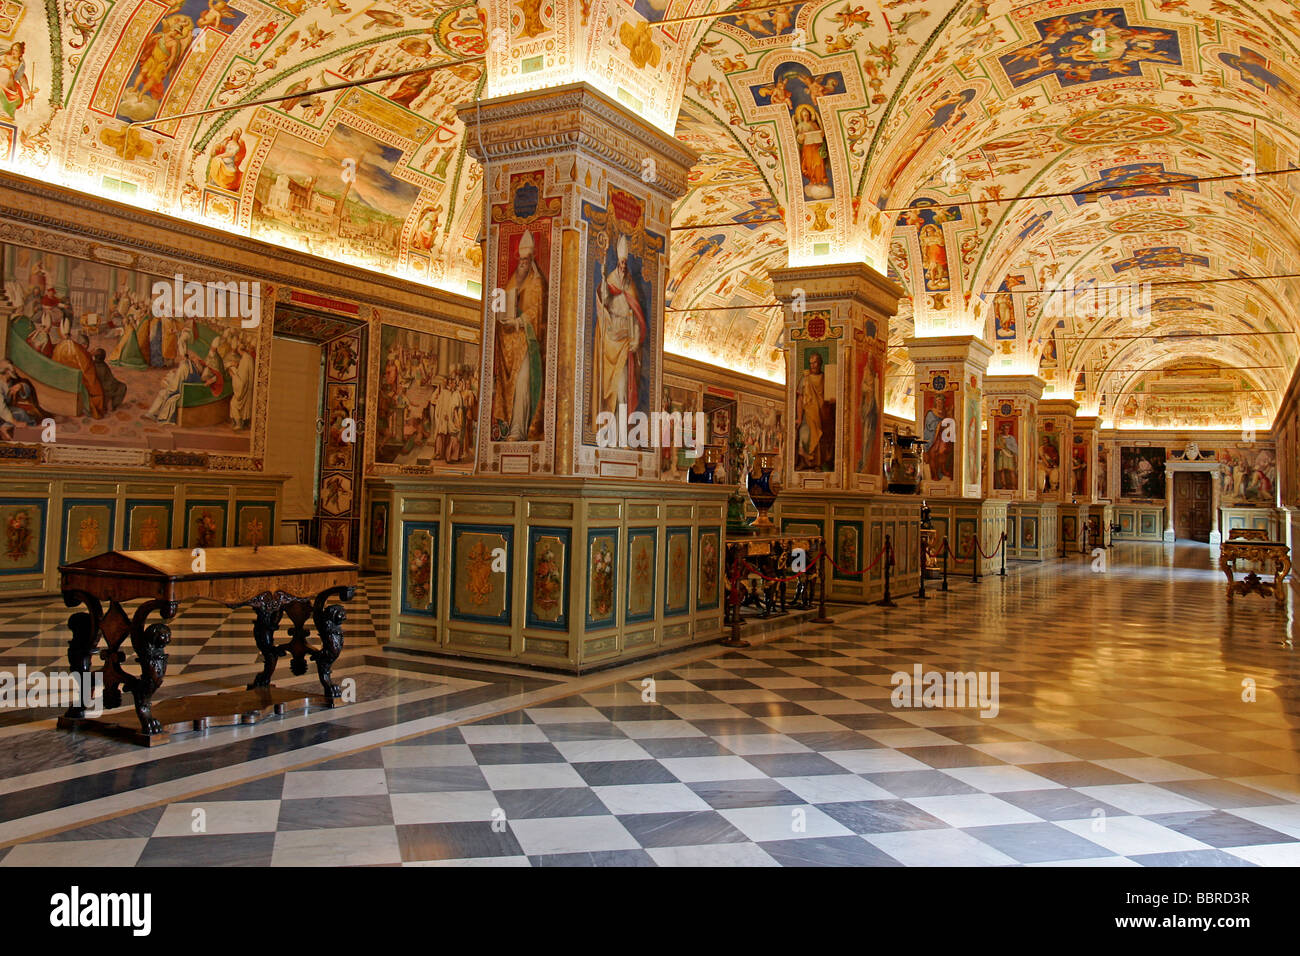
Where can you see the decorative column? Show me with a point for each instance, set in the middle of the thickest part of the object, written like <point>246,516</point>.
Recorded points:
<point>1085,471</point>
<point>1012,402</point>
<point>578,193</point>
<point>837,325</point>
<point>949,392</point>
<point>1052,448</point>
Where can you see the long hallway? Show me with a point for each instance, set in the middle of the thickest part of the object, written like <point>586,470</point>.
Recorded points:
<point>1137,719</point>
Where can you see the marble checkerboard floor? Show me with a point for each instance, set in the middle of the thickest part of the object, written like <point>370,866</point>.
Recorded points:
<point>1141,721</point>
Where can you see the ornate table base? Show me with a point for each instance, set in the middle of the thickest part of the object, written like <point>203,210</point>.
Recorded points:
<point>149,642</point>
<point>185,714</point>
<point>1263,552</point>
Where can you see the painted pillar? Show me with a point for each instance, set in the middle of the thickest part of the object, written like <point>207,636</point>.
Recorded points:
<point>949,399</point>
<point>1052,448</point>
<point>1012,404</point>
<point>837,329</point>
<point>578,192</point>
<point>1083,458</point>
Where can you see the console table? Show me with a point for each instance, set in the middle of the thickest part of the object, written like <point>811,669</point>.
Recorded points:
<point>292,580</point>
<point>1264,552</point>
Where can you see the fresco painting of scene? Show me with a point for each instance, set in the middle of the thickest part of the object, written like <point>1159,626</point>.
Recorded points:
<point>339,197</point>
<point>427,399</point>
<point>83,347</point>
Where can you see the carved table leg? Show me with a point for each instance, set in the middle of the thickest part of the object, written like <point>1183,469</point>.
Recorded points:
<point>150,645</point>
<point>85,637</point>
<point>298,648</point>
<point>329,628</point>
<point>1281,568</point>
<point>268,609</point>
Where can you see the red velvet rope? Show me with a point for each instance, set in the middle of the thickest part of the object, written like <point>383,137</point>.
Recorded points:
<point>862,571</point>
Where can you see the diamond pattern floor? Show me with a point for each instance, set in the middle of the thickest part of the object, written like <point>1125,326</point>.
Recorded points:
<point>1140,721</point>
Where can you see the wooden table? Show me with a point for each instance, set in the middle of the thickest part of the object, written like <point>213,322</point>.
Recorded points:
<point>1264,552</point>
<point>292,580</point>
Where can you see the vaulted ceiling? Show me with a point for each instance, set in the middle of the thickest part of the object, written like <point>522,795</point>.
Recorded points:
<point>890,131</point>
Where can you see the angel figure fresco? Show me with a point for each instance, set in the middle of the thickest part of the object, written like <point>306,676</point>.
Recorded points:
<point>812,152</point>
<point>15,88</point>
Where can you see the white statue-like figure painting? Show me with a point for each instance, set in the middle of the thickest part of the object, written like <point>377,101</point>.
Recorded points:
<point>620,332</point>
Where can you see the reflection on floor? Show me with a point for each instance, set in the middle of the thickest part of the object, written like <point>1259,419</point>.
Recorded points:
<point>1140,720</point>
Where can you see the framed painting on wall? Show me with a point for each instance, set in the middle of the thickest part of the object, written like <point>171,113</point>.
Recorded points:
<point>419,559</point>
<point>205,524</point>
<point>87,528</point>
<point>482,582</point>
<point>548,578</point>
<point>677,571</point>
<point>23,521</point>
<point>148,524</point>
<point>641,571</point>
<point>707,596</point>
<point>602,576</point>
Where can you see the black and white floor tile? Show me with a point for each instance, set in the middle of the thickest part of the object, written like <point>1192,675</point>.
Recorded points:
<point>1140,721</point>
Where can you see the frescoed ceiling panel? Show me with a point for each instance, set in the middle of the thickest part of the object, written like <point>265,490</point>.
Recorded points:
<point>894,132</point>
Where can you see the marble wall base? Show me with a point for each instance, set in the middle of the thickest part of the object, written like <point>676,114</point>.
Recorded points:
<point>1103,516</point>
<point>1140,522</point>
<point>959,520</point>
<point>1033,530</point>
<point>854,525</point>
<point>57,516</point>
<point>1270,520</point>
<point>563,573</point>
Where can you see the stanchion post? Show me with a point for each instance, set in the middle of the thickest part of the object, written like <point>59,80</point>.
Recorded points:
<point>733,598</point>
<point>925,553</point>
<point>1003,546</point>
<point>946,551</point>
<point>821,617</point>
<point>975,559</point>
<point>888,558</point>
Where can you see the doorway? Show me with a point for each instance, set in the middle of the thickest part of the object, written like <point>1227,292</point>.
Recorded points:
<point>1193,499</point>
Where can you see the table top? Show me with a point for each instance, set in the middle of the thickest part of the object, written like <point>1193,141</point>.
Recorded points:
<point>177,564</point>
<point>1252,543</point>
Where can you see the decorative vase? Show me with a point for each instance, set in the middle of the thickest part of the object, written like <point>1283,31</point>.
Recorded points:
<point>759,485</point>
<point>904,475</point>
<point>701,473</point>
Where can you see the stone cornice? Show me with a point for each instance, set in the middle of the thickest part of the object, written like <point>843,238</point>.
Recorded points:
<point>575,117</point>
<point>26,202</point>
<point>722,377</point>
<point>836,282</point>
<point>1029,386</point>
<point>969,349</point>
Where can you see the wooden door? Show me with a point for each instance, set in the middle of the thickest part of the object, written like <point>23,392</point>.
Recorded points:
<point>1192,503</point>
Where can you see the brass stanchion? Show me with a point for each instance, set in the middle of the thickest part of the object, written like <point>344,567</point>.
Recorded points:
<point>925,554</point>
<point>946,551</point>
<point>887,601</point>
<point>821,617</point>
<point>1003,546</point>
<point>975,559</point>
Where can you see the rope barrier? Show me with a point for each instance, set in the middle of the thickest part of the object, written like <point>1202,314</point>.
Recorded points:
<point>862,571</point>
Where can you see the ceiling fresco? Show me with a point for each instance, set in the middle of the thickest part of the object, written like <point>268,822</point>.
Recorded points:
<point>890,131</point>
